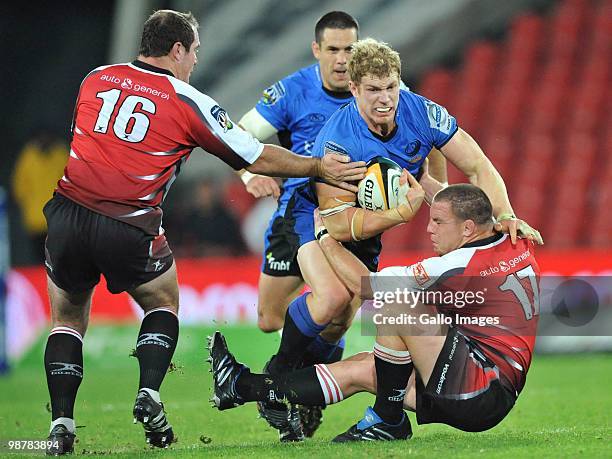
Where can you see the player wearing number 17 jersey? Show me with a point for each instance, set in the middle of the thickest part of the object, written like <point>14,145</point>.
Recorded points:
<point>134,126</point>
<point>455,333</point>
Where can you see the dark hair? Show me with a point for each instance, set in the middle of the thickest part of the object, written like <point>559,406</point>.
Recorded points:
<point>163,29</point>
<point>334,20</point>
<point>468,202</point>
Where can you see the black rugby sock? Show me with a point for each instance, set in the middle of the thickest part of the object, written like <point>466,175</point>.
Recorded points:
<point>64,369</point>
<point>298,332</point>
<point>322,351</point>
<point>155,346</point>
<point>300,386</point>
<point>393,370</point>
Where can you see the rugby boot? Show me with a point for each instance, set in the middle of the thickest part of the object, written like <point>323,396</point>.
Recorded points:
<point>282,417</point>
<point>372,428</point>
<point>158,432</point>
<point>311,417</point>
<point>225,370</point>
<point>60,441</point>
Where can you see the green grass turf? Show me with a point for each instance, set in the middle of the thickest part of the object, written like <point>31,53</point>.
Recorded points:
<point>564,411</point>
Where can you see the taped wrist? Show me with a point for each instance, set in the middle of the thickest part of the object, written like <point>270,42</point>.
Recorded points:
<point>335,205</point>
<point>246,177</point>
<point>357,225</point>
<point>404,212</point>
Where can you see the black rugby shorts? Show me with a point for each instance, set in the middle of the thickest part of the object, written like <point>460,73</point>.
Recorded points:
<point>82,244</point>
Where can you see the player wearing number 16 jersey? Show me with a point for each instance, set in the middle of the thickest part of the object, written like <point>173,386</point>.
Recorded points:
<point>134,125</point>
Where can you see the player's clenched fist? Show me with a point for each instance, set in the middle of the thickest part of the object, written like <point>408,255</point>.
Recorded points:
<point>261,186</point>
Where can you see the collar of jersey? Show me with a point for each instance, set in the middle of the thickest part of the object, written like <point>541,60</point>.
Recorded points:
<point>151,68</point>
<point>386,138</point>
<point>485,241</point>
<point>337,94</point>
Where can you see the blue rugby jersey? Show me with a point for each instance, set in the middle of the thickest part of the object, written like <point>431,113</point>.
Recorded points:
<point>298,106</point>
<point>420,126</point>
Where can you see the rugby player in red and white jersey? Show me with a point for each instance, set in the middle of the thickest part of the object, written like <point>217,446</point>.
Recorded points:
<point>460,359</point>
<point>134,126</point>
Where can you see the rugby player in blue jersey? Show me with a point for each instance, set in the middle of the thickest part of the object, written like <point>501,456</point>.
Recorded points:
<point>382,120</point>
<point>296,108</point>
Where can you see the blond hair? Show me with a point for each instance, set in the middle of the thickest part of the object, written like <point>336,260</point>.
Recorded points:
<point>373,57</point>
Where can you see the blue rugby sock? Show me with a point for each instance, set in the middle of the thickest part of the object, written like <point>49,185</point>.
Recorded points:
<point>322,351</point>
<point>299,332</point>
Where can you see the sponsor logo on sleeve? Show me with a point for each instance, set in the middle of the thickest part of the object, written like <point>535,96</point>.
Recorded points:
<point>273,94</point>
<point>438,117</point>
<point>420,274</point>
<point>222,118</point>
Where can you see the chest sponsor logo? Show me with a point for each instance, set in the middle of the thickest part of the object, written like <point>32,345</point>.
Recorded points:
<point>412,151</point>
<point>222,118</point>
<point>316,117</point>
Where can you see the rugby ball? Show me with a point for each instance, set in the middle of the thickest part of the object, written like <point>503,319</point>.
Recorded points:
<point>378,190</point>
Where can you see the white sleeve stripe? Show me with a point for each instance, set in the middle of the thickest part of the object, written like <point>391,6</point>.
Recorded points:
<point>240,159</point>
<point>243,145</point>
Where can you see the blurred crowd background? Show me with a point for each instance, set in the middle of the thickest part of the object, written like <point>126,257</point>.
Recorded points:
<point>529,79</point>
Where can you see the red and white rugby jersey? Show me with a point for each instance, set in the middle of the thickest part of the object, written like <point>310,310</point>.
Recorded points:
<point>134,126</point>
<point>502,312</point>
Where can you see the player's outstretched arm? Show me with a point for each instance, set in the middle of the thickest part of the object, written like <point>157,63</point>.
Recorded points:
<point>463,151</point>
<point>336,169</point>
<point>259,186</point>
<point>346,223</point>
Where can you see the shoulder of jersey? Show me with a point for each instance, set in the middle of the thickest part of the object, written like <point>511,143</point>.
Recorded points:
<point>102,67</point>
<point>408,96</point>
<point>341,115</point>
<point>301,80</point>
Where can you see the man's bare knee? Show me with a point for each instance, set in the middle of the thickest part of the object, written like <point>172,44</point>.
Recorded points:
<point>69,309</point>
<point>330,304</point>
<point>269,323</point>
<point>161,292</point>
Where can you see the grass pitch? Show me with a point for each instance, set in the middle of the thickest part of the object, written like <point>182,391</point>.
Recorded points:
<point>564,411</point>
